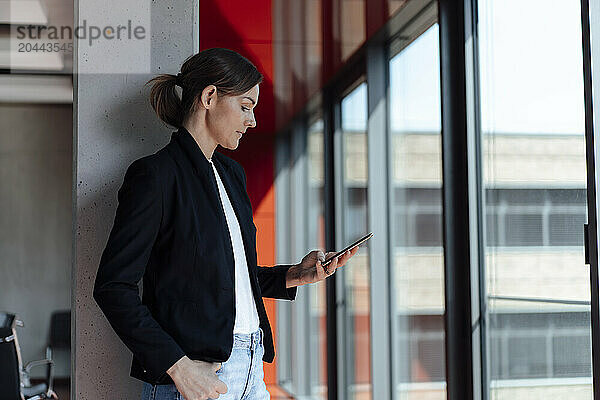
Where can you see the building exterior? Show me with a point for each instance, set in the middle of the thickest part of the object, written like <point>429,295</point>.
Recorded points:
<point>533,175</point>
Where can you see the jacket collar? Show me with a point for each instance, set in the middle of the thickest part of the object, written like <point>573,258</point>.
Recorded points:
<point>194,153</point>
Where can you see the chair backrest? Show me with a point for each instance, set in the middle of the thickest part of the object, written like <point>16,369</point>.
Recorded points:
<point>60,329</point>
<point>10,380</point>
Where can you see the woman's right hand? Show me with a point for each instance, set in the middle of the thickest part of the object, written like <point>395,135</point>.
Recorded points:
<point>197,380</point>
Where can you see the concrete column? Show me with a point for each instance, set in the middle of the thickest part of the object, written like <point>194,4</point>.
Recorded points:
<point>113,125</point>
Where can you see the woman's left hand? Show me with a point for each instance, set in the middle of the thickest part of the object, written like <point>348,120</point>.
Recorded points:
<point>311,270</point>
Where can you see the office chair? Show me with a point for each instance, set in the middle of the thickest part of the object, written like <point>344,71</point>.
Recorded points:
<point>11,367</point>
<point>60,332</point>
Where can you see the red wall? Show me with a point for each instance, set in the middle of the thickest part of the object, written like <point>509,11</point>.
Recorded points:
<point>245,26</point>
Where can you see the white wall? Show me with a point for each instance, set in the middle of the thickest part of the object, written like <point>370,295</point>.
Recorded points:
<point>35,221</point>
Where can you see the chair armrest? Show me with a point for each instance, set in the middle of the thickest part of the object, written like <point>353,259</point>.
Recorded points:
<point>49,371</point>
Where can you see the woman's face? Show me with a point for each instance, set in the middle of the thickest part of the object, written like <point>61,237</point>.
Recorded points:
<point>228,121</point>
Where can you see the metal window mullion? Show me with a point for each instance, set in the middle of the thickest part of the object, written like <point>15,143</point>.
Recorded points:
<point>378,222</point>
<point>282,249</point>
<point>306,349</point>
<point>461,159</point>
<point>480,315</point>
<point>330,239</point>
<point>341,306</point>
<point>300,372</point>
<point>590,29</point>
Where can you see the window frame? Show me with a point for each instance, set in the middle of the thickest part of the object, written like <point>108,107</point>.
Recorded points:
<point>460,91</point>
<point>371,62</point>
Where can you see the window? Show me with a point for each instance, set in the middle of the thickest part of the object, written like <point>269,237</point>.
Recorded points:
<point>533,155</point>
<point>541,345</point>
<point>533,217</point>
<point>416,223</point>
<point>356,272</point>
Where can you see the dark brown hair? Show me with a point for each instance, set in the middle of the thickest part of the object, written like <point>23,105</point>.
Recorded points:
<point>229,71</point>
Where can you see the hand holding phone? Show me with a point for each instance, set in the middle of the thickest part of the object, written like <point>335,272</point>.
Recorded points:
<point>339,253</point>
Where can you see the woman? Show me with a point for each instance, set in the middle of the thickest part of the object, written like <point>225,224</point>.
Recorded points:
<point>184,225</point>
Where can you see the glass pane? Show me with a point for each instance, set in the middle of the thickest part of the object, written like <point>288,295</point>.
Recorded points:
<point>356,271</point>
<point>316,240</point>
<point>535,187</point>
<point>418,263</point>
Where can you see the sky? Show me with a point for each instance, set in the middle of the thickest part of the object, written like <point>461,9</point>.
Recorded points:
<point>531,73</point>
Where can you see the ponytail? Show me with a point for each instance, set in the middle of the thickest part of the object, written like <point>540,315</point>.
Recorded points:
<point>165,101</point>
<point>230,72</point>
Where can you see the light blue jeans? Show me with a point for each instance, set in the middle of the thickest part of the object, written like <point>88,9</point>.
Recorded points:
<point>242,373</point>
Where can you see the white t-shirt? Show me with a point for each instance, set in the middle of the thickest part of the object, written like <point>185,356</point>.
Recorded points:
<point>246,315</point>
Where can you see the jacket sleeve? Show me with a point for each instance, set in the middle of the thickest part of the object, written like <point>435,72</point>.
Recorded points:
<point>122,265</point>
<point>272,282</point>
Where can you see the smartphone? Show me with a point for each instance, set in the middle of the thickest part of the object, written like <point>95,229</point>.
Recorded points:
<point>359,241</point>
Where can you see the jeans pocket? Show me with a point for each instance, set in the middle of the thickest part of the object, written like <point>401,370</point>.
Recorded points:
<point>220,369</point>
<point>161,392</point>
<point>260,350</point>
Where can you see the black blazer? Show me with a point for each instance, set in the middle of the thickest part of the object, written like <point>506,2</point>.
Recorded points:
<point>170,229</point>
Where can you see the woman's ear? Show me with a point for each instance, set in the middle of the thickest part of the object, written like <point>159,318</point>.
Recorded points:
<point>208,96</point>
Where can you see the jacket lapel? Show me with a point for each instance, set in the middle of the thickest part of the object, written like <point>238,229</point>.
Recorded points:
<point>216,200</point>
<point>233,191</point>
<point>203,170</point>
